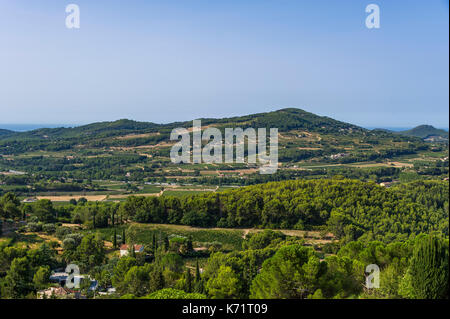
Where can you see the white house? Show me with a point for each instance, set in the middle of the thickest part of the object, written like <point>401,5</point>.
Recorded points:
<point>124,249</point>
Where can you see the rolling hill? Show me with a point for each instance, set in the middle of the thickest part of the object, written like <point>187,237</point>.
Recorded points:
<point>5,132</point>
<point>425,131</point>
<point>284,119</point>
<point>299,132</point>
<point>111,150</point>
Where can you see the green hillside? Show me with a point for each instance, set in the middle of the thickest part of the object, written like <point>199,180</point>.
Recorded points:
<point>424,131</point>
<point>309,145</point>
<point>284,120</point>
<point>5,132</point>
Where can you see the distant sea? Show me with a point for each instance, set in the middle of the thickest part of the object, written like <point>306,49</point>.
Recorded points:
<point>398,129</point>
<point>30,127</point>
<point>395,129</point>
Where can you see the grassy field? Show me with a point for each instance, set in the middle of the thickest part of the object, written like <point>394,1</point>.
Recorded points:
<point>231,239</point>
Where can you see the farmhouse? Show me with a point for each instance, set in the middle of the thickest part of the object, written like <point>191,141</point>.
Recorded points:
<point>124,249</point>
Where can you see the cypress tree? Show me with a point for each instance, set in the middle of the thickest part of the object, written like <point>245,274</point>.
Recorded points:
<point>93,218</point>
<point>197,273</point>
<point>156,280</point>
<point>188,284</point>
<point>113,217</point>
<point>154,242</point>
<point>189,246</point>
<point>115,239</point>
<point>166,243</point>
<point>123,237</point>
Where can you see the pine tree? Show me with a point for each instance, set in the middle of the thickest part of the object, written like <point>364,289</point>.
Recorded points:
<point>429,269</point>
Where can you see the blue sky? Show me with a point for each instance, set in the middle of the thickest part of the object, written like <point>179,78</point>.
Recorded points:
<point>163,61</point>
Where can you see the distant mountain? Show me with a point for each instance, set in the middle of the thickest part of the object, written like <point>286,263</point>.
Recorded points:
<point>284,119</point>
<point>426,132</point>
<point>302,136</point>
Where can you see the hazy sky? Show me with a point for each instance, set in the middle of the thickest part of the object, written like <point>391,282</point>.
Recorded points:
<point>168,60</point>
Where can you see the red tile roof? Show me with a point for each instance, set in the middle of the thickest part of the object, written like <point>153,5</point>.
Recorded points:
<point>126,247</point>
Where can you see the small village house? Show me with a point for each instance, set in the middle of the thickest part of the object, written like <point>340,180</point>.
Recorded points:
<point>125,249</point>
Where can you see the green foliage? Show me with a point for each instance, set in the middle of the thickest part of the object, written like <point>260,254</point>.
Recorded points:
<point>90,252</point>
<point>292,272</point>
<point>188,281</point>
<point>262,239</point>
<point>224,285</point>
<point>18,281</point>
<point>137,280</point>
<point>429,268</point>
<point>9,206</point>
<point>170,293</point>
<point>41,277</point>
<point>44,211</point>
<point>120,271</point>
<point>351,209</point>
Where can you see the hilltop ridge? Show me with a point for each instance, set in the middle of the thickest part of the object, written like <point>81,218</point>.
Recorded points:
<point>425,131</point>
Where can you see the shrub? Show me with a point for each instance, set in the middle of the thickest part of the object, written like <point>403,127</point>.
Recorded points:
<point>170,293</point>
<point>34,227</point>
<point>62,232</point>
<point>49,228</point>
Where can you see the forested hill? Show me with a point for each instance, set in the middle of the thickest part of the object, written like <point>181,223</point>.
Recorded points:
<point>424,131</point>
<point>302,136</point>
<point>5,132</point>
<point>99,130</point>
<point>284,120</point>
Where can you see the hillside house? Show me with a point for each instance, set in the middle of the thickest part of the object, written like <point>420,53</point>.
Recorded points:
<point>125,249</point>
